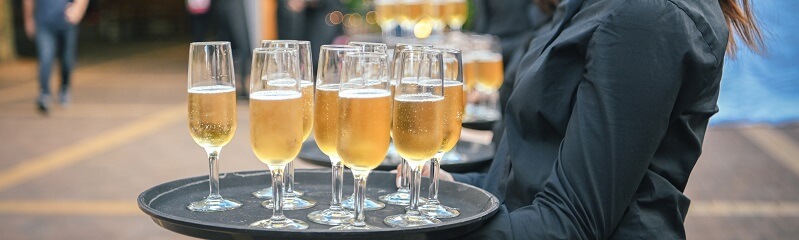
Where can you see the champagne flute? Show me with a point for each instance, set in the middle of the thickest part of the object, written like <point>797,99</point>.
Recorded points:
<point>369,204</point>
<point>292,198</point>
<point>364,122</point>
<point>469,80</point>
<point>212,112</point>
<point>418,124</point>
<point>452,74</point>
<point>276,122</point>
<point>434,9</point>
<point>486,64</point>
<point>326,128</point>
<point>402,196</point>
<point>455,13</point>
<point>410,11</point>
<point>267,192</point>
<point>371,47</point>
<point>386,15</point>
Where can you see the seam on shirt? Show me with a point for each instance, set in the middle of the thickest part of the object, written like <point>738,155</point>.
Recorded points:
<point>604,21</point>
<point>710,48</point>
<point>601,22</point>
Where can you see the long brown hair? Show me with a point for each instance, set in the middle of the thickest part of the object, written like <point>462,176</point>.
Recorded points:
<point>737,14</point>
<point>741,22</point>
<point>547,6</point>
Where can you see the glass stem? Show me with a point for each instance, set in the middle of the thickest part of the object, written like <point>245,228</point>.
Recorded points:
<point>338,180</point>
<point>416,181</point>
<point>435,165</point>
<point>277,192</point>
<point>289,181</point>
<point>405,176</point>
<point>386,32</point>
<point>360,197</point>
<point>213,176</point>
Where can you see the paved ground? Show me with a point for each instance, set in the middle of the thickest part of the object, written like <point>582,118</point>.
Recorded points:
<point>76,173</point>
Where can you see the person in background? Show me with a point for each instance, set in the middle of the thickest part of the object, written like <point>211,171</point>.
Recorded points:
<point>606,118</point>
<point>52,24</point>
<point>231,25</point>
<point>305,20</point>
<point>199,18</point>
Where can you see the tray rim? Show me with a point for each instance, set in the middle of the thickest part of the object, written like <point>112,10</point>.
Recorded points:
<point>480,125</point>
<point>491,208</point>
<point>453,167</point>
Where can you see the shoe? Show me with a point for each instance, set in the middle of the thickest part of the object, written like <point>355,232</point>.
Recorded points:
<point>43,103</point>
<point>64,97</point>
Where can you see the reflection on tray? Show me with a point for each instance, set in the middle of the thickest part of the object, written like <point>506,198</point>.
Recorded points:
<point>467,156</point>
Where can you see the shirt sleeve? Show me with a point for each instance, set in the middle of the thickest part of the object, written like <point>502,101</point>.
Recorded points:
<point>472,178</point>
<point>633,74</point>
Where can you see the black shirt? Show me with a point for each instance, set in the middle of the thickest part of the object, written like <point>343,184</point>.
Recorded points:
<point>512,20</point>
<point>605,121</point>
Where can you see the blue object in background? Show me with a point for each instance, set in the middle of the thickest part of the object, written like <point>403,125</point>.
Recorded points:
<point>764,89</point>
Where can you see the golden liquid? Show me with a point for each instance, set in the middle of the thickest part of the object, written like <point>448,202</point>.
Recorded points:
<point>212,115</point>
<point>386,13</point>
<point>470,74</point>
<point>365,120</point>
<point>466,98</point>
<point>393,88</point>
<point>307,108</point>
<point>411,11</point>
<point>455,13</point>
<point>451,69</point>
<point>326,119</point>
<point>490,72</point>
<point>453,114</point>
<point>434,10</point>
<point>276,125</point>
<point>418,126</point>
<point>441,8</point>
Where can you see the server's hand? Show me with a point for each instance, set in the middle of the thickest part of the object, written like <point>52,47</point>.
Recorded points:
<point>296,5</point>
<point>76,10</point>
<point>30,29</point>
<point>30,24</point>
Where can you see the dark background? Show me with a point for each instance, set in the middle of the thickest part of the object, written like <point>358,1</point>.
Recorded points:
<point>113,21</point>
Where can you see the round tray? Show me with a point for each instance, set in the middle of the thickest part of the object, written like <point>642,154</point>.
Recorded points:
<point>467,157</point>
<point>166,204</point>
<point>484,125</point>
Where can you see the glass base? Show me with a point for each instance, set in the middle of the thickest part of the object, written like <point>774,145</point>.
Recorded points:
<point>214,205</point>
<point>399,198</point>
<point>291,203</point>
<point>436,210</point>
<point>266,193</point>
<point>368,204</point>
<point>331,216</point>
<point>409,220</point>
<point>353,227</point>
<point>284,223</point>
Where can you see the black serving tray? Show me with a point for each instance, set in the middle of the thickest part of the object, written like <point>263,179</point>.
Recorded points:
<point>467,157</point>
<point>166,204</point>
<point>484,125</point>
